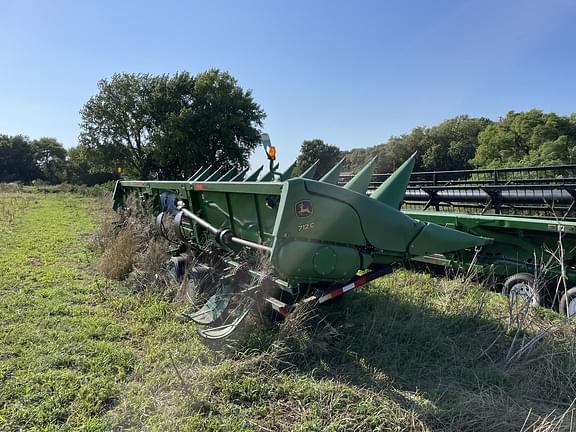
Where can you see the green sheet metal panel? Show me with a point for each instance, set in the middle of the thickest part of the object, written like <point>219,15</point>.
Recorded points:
<point>246,223</point>
<point>267,208</point>
<point>313,214</point>
<point>240,187</point>
<point>215,208</point>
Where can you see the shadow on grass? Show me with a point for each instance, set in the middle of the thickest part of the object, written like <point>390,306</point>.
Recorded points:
<point>385,343</point>
<point>401,343</point>
<point>415,346</point>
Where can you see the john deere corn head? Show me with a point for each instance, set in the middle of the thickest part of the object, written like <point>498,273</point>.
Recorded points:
<point>267,244</point>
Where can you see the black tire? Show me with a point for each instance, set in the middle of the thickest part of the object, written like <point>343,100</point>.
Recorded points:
<point>523,284</point>
<point>567,302</point>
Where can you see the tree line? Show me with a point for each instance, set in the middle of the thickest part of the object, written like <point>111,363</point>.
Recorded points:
<point>146,126</point>
<point>46,159</point>
<point>167,126</point>
<point>528,138</point>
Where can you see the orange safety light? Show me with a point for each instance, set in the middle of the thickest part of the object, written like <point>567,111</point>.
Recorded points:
<point>271,152</point>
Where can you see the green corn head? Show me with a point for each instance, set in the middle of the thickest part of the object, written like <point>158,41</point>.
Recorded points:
<point>313,236</point>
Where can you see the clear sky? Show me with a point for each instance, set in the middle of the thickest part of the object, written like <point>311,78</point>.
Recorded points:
<point>352,73</point>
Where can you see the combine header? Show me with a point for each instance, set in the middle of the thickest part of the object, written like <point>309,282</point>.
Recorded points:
<point>272,242</point>
<point>530,212</point>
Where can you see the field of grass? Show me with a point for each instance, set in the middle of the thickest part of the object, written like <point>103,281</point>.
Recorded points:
<point>411,352</point>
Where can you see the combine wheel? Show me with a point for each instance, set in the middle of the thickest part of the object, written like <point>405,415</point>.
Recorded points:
<point>524,286</point>
<point>568,303</point>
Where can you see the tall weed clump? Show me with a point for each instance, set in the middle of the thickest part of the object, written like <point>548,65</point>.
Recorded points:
<point>133,251</point>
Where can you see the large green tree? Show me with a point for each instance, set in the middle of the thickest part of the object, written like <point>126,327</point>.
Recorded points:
<point>168,126</point>
<point>527,138</point>
<point>317,150</point>
<point>116,124</point>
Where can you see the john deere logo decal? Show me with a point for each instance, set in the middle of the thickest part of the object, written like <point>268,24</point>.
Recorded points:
<point>303,208</point>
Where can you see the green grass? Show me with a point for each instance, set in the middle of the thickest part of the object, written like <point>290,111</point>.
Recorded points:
<point>69,339</point>
<point>411,352</point>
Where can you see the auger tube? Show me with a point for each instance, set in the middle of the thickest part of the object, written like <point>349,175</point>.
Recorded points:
<point>217,232</point>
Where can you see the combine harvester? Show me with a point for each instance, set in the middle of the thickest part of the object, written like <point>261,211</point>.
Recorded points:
<point>270,243</point>
<point>529,212</point>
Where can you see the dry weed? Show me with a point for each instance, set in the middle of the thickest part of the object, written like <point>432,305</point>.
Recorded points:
<point>10,208</point>
<point>118,258</point>
<point>305,335</point>
<point>133,250</point>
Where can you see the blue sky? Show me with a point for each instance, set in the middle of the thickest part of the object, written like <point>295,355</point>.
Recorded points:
<point>350,72</point>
